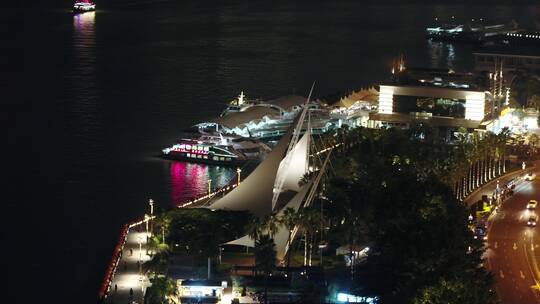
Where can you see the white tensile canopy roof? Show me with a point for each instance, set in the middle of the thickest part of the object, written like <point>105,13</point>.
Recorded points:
<point>293,169</point>
<point>254,194</point>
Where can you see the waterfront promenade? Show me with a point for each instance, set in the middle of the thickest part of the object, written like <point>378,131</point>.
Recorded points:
<point>129,283</point>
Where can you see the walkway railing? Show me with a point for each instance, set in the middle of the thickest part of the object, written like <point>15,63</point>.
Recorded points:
<point>207,196</point>
<point>113,265</point>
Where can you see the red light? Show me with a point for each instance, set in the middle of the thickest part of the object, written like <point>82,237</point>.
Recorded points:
<point>202,152</point>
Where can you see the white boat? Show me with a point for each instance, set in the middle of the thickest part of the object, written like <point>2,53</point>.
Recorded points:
<point>84,6</point>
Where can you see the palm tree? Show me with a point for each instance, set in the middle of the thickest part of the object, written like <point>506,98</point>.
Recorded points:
<point>254,228</point>
<point>265,259</point>
<point>310,221</point>
<point>270,224</point>
<point>289,219</point>
<point>162,288</point>
<point>504,135</point>
<point>465,156</point>
<point>159,262</point>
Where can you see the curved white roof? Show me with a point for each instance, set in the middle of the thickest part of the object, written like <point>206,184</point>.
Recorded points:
<point>255,193</point>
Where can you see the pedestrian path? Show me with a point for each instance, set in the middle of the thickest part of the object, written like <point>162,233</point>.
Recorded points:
<point>129,282</point>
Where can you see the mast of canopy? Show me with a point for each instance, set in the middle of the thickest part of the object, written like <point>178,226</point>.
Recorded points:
<point>309,198</point>
<point>280,180</point>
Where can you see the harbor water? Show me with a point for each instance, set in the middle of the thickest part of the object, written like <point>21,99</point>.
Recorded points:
<point>109,89</point>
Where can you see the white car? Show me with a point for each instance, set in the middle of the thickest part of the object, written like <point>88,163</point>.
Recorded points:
<point>530,176</point>
<point>532,204</point>
<point>532,221</point>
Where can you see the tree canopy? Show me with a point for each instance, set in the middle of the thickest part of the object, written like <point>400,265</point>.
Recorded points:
<point>391,189</point>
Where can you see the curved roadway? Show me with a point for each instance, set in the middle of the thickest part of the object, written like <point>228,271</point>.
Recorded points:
<point>513,252</point>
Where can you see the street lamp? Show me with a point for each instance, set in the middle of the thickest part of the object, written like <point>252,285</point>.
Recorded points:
<point>220,252</point>
<point>238,171</point>
<point>151,203</point>
<point>140,248</point>
<point>146,220</point>
<point>140,257</point>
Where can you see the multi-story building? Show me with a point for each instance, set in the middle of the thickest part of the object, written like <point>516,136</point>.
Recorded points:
<point>445,108</point>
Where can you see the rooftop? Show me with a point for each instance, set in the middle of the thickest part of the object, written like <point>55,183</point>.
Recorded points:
<point>437,78</point>
<point>258,111</point>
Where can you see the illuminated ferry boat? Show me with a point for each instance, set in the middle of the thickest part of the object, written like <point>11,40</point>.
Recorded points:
<point>469,33</point>
<point>83,6</point>
<point>218,150</point>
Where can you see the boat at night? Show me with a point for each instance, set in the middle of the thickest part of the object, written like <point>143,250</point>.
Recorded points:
<point>84,6</point>
<point>472,33</point>
<point>219,150</point>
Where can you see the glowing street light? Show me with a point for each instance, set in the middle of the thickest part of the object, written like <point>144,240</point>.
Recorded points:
<point>238,171</point>
<point>140,248</point>
<point>146,220</point>
<point>151,203</point>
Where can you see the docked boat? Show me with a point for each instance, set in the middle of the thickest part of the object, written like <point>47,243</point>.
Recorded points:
<point>217,149</point>
<point>473,33</point>
<point>84,6</point>
<point>239,104</point>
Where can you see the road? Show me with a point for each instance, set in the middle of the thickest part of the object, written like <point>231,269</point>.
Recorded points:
<point>513,251</point>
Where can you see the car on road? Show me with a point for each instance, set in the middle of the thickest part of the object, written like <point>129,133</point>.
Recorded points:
<point>530,176</point>
<point>532,204</point>
<point>480,232</point>
<point>532,221</point>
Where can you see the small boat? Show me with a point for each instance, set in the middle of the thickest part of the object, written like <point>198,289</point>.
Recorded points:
<point>84,6</point>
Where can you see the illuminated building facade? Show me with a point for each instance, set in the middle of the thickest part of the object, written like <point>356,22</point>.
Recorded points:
<point>446,108</point>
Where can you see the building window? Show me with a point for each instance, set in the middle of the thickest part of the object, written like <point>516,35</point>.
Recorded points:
<point>446,107</point>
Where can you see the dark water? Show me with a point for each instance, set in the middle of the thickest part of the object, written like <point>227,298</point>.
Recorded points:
<point>109,89</point>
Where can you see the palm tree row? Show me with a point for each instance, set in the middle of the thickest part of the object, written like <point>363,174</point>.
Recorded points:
<point>306,221</point>
<point>477,159</point>
<point>473,160</point>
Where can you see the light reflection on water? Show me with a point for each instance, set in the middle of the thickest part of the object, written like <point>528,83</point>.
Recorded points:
<point>116,86</point>
<point>190,180</point>
<point>441,54</point>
